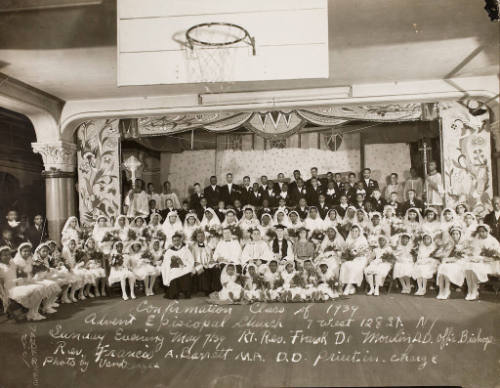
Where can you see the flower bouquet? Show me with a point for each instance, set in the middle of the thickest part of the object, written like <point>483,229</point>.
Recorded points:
<point>397,227</point>
<point>116,260</point>
<point>388,257</point>
<point>349,254</point>
<point>490,254</point>
<point>147,257</point>
<point>160,235</point>
<point>110,236</point>
<point>146,234</point>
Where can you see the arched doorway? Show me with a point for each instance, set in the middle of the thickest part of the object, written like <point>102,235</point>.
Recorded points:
<point>21,184</point>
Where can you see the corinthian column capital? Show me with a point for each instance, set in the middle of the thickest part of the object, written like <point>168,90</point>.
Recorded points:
<point>57,155</point>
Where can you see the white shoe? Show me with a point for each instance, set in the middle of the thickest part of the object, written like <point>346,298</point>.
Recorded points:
<point>132,296</point>
<point>469,297</point>
<point>91,295</point>
<point>49,310</point>
<point>124,297</point>
<point>55,305</point>
<point>103,293</point>
<point>370,292</point>
<point>376,293</point>
<point>36,317</point>
<point>73,299</point>
<point>82,297</point>
<point>353,290</point>
<point>97,294</point>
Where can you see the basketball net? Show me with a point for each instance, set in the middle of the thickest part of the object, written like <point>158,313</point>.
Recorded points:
<point>213,57</point>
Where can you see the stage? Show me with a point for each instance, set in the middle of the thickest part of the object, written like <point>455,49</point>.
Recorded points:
<point>354,341</point>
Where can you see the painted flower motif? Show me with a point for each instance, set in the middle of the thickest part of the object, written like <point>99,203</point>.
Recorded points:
<point>478,141</point>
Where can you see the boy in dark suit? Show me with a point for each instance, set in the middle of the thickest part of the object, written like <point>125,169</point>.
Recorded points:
<point>230,191</point>
<point>368,183</point>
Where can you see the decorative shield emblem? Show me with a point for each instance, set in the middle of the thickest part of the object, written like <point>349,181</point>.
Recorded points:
<point>334,140</point>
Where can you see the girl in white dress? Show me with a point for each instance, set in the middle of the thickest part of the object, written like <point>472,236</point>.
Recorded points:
<point>469,224</point>
<point>403,267</point>
<point>266,225</point>
<point>171,226</point>
<point>191,224</point>
<point>313,221</point>
<point>389,219</point>
<point>154,225</point>
<point>139,228</point>
<point>71,231</point>
<point>248,222</point>
<point>16,283</point>
<point>42,275</point>
<point>231,219</point>
<point>252,291</point>
<point>460,210</point>
<point>413,222</point>
<point>331,248</point>
<point>431,224</point>
<point>210,220</point>
<point>448,219</point>
<point>101,228</point>
<point>375,229</point>
<point>63,275</point>
<point>121,227</point>
<point>140,262</point>
<point>348,220</point>
<point>68,255</point>
<point>381,263</point>
<point>95,264</point>
<point>119,272</point>
<point>485,260</point>
<point>326,281</point>
<point>332,219</point>
<point>426,264</point>
<point>231,289</point>
<point>272,281</point>
<point>354,260</point>
<point>157,251</point>
<point>451,269</point>
<point>363,220</point>
<point>280,218</point>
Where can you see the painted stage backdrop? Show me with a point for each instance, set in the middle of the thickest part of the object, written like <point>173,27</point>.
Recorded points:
<point>467,157</point>
<point>98,169</point>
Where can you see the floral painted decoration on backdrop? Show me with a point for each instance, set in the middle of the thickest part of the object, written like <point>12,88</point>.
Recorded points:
<point>98,169</point>
<point>467,158</point>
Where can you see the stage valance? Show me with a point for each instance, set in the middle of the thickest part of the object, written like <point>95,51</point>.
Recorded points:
<point>279,123</point>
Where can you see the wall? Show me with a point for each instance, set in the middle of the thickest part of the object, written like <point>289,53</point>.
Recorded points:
<point>385,159</point>
<point>184,169</point>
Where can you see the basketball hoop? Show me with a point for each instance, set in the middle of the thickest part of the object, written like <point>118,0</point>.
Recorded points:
<point>213,49</point>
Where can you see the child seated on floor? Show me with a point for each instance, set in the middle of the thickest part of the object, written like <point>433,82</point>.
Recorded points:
<point>326,282</point>
<point>272,281</point>
<point>231,287</point>
<point>252,284</point>
<point>310,281</point>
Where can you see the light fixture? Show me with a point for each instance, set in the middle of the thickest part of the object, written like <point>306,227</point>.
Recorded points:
<point>275,96</point>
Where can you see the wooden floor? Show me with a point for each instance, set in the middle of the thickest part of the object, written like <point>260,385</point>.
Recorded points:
<point>154,342</point>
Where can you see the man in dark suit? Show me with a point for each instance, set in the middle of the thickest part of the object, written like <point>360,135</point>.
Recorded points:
<point>338,184</point>
<point>255,197</point>
<point>200,210</point>
<point>292,186</point>
<point>302,208</point>
<point>492,219</point>
<point>230,191</point>
<point>314,174</point>
<point>37,233</point>
<point>313,192</point>
<point>413,201</point>
<point>350,188</point>
<point>269,194</point>
<point>213,193</point>
<point>246,191</point>
<point>298,192</point>
<point>195,198</point>
<point>368,184</point>
<point>285,194</point>
<point>279,183</point>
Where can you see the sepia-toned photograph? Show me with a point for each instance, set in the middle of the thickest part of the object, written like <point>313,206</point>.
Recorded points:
<point>249,193</point>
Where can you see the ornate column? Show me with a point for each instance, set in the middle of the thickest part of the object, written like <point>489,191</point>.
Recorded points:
<point>495,132</point>
<point>59,161</point>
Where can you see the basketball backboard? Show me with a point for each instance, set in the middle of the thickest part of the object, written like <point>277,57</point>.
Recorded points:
<point>291,41</point>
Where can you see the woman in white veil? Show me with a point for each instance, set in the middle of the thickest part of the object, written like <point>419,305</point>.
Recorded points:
<point>357,253</point>
<point>332,219</point>
<point>469,224</point>
<point>154,224</point>
<point>191,224</point>
<point>448,219</point>
<point>313,221</point>
<point>281,218</point>
<point>249,219</point>
<point>71,231</point>
<point>413,221</point>
<point>121,227</point>
<point>431,223</point>
<point>171,225</point>
<point>210,219</point>
<point>101,227</point>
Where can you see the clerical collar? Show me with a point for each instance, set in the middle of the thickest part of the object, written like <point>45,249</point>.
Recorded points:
<point>344,205</point>
<point>176,248</point>
<point>201,245</point>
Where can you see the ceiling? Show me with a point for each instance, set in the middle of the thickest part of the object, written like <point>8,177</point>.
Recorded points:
<point>71,52</point>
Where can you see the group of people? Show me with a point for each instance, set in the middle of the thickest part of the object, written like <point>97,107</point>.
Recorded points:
<point>306,252</point>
